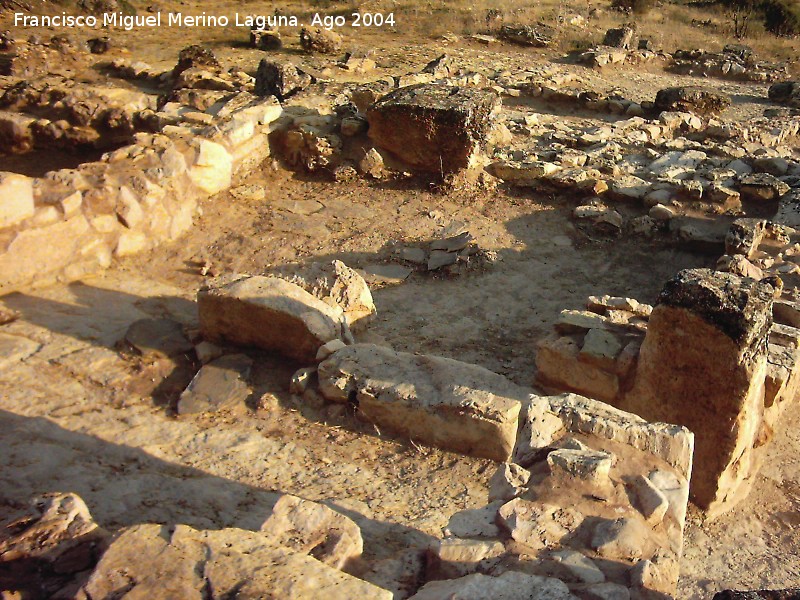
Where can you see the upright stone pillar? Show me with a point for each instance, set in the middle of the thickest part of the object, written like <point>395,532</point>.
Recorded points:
<point>702,365</point>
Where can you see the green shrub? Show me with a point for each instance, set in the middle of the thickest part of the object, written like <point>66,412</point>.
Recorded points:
<point>781,17</point>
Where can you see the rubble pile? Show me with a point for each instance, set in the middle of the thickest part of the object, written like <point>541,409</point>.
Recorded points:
<point>735,62</point>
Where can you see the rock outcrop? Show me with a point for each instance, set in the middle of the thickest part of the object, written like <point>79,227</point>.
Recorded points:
<point>159,561</point>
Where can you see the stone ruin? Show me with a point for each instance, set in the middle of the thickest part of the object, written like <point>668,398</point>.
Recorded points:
<point>637,407</point>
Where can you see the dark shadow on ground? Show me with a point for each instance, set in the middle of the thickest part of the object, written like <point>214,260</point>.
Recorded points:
<point>123,486</point>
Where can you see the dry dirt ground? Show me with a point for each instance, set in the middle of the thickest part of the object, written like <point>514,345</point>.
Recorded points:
<point>78,415</point>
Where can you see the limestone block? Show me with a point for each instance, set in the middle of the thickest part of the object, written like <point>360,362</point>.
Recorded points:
<point>16,198</point>
<point>451,558</point>
<point>587,465</point>
<point>212,167</point>
<point>539,427</point>
<point>314,529</point>
<point>702,365</point>
<point>508,586</point>
<point>35,252</point>
<point>442,402</point>
<point>131,242</point>
<point>523,174</point>
<point>651,501</point>
<point>558,365</point>
<point>434,127</point>
<point>268,313</point>
<point>600,348</point>
<point>538,526</point>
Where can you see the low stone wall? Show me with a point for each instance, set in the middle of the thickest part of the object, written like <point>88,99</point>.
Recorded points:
<point>73,222</point>
<point>713,359</point>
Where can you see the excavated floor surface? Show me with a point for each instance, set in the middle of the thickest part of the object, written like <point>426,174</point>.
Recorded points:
<point>77,416</point>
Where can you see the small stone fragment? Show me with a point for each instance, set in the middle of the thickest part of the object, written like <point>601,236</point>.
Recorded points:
<point>508,482</point>
<point>624,538</point>
<point>219,384</point>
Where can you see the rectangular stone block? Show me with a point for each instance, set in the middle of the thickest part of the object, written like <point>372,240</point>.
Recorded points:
<point>16,198</point>
<point>559,366</point>
<point>445,403</point>
<point>433,127</point>
<point>703,365</point>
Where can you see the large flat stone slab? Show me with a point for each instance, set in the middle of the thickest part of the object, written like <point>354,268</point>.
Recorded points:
<point>159,561</point>
<point>438,401</point>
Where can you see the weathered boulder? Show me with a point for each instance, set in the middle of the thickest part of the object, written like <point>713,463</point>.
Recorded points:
<point>266,39</point>
<point>434,127</point>
<point>702,365</point>
<point>314,529</point>
<point>320,40</point>
<point>269,313</point>
<point>160,561</point>
<point>785,92</point>
<point>539,35</point>
<point>442,402</point>
<point>538,526</point>
<point>280,79</point>
<point>744,236</point>
<point>692,99</point>
<point>762,186</point>
<point>508,482</point>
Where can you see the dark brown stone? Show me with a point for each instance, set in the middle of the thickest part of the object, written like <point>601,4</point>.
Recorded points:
<point>739,307</point>
<point>433,127</point>
<point>196,56</point>
<point>280,79</point>
<point>692,99</point>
